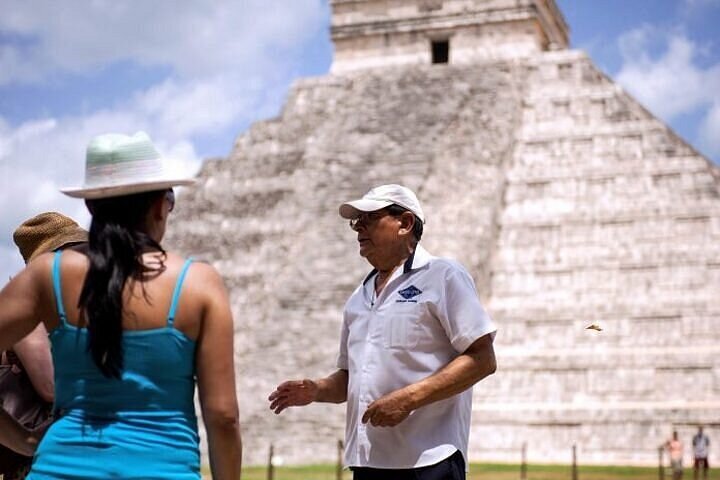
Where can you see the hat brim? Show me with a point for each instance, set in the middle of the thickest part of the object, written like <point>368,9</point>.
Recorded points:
<point>77,235</point>
<point>352,209</point>
<point>106,191</point>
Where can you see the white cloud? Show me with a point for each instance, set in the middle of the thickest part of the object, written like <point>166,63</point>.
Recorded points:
<point>38,161</point>
<point>45,155</point>
<point>674,82</point>
<point>193,38</point>
<point>40,157</point>
<point>225,59</point>
<point>196,107</point>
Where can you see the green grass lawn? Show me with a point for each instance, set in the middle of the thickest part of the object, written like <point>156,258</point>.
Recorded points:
<point>485,472</point>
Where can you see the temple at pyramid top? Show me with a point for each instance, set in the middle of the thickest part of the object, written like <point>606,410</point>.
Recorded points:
<point>376,33</point>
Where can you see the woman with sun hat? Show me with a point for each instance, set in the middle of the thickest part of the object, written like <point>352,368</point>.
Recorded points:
<point>132,329</point>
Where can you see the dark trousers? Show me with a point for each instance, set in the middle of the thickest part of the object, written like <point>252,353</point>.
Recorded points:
<point>452,468</point>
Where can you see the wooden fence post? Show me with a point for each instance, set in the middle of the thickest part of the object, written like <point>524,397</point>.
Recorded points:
<point>339,468</point>
<point>271,467</point>
<point>574,463</point>
<point>523,462</point>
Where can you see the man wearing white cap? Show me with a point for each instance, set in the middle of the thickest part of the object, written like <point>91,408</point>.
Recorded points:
<point>414,340</point>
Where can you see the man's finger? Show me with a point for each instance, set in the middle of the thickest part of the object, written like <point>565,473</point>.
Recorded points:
<point>378,420</point>
<point>284,386</point>
<point>275,396</point>
<point>280,399</point>
<point>280,389</point>
<point>367,415</point>
<point>279,406</point>
<point>290,384</point>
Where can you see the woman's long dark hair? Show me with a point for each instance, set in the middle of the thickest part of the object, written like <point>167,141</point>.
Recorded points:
<point>116,244</point>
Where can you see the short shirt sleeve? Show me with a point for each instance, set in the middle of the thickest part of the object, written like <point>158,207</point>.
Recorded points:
<point>342,359</point>
<point>460,312</point>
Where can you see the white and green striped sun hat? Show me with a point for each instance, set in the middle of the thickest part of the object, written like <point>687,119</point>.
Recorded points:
<point>117,164</point>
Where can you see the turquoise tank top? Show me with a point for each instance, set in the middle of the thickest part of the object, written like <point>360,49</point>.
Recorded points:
<point>142,425</point>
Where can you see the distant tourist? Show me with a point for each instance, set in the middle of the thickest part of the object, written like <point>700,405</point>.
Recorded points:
<point>675,450</point>
<point>132,329</point>
<point>701,450</point>
<point>414,340</point>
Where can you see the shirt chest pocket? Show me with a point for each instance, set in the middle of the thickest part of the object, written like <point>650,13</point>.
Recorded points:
<point>401,328</point>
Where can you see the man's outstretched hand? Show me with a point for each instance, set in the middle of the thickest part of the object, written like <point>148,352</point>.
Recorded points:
<point>293,393</point>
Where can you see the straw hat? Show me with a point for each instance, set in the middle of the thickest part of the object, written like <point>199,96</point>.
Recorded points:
<point>45,233</point>
<point>117,165</point>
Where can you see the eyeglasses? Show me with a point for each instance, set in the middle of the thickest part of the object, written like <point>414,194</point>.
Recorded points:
<point>170,196</point>
<point>367,219</point>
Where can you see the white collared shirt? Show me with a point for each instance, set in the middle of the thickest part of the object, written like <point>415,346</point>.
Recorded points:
<point>427,314</point>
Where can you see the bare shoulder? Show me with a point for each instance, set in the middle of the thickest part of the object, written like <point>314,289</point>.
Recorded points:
<point>40,267</point>
<point>73,257</point>
<point>200,275</point>
<point>40,263</point>
<point>36,280</point>
<point>204,287</point>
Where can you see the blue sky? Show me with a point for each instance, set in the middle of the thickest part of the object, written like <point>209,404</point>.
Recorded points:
<point>196,74</point>
<point>666,53</point>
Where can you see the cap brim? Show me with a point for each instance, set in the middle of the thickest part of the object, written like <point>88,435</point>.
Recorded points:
<point>352,209</point>
<point>120,190</point>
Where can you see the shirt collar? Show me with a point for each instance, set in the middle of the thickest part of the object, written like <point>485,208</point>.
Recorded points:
<point>417,259</point>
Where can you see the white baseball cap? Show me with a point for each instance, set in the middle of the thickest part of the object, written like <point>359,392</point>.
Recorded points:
<point>381,197</point>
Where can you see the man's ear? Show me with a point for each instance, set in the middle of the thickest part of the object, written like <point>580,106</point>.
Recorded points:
<point>407,222</point>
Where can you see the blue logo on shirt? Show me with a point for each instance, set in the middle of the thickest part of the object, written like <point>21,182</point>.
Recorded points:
<point>408,293</point>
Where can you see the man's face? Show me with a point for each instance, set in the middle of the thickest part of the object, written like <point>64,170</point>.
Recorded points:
<point>377,234</point>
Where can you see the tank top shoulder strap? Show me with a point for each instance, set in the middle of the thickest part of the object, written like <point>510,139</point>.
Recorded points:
<point>176,292</point>
<point>57,287</point>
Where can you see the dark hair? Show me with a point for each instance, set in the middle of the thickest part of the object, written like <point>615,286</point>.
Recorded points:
<point>397,210</point>
<point>116,243</point>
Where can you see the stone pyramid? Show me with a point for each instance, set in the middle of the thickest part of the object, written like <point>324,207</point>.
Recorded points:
<point>568,201</point>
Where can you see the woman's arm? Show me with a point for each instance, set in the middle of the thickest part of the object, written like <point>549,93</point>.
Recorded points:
<point>34,354</point>
<point>25,301</point>
<point>216,378</point>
